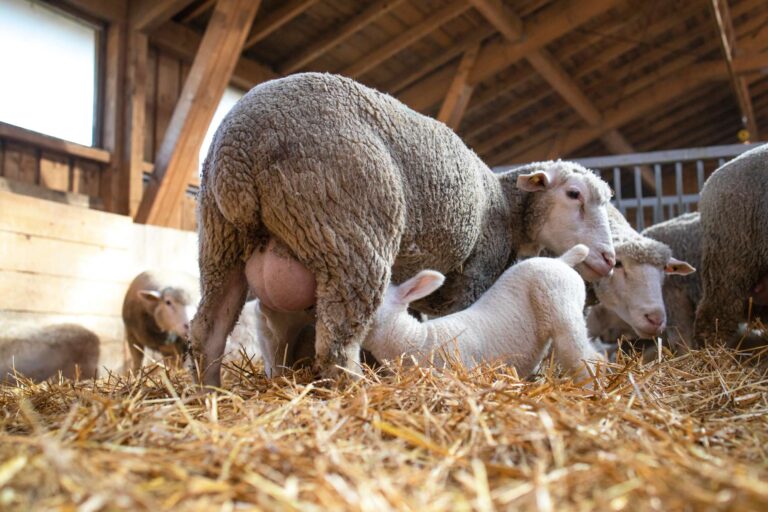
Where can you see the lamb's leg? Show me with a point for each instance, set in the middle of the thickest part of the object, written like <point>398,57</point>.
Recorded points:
<point>223,290</point>
<point>571,345</point>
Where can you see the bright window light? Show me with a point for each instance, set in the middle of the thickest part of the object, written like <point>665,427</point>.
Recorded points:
<point>48,63</point>
<point>231,96</point>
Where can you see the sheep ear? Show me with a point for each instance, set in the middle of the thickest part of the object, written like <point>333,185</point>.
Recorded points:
<point>679,268</point>
<point>419,286</point>
<point>149,297</point>
<point>534,182</point>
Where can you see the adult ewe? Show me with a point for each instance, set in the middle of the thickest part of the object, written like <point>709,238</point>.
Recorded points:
<point>734,228</point>
<point>320,190</point>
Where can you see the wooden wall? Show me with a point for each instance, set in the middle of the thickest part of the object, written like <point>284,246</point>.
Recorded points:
<point>65,263</point>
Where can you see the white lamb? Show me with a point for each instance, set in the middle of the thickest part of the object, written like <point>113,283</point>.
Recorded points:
<point>536,301</point>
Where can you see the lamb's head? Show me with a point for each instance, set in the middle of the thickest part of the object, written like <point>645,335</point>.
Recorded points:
<point>393,310</point>
<point>634,290</point>
<point>568,207</point>
<point>172,308</point>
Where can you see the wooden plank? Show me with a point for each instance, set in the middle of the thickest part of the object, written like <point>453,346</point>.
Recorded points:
<point>36,191</point>
<point>338,34</point>
<point>52,294</point>
<point>549,25</point>
<point>131,178</point>
<point>147,15</point>
<point>405,39</point>
<point>501,17</point>
<point>722,16</point>
<point>16,133</point>
<point>54,172</point>
<point>85,178</point>
<point>32,216</point>
<point>459,92</point>
<point>113,112</point>
<point>64,258</point>
<point>276,19</point>
<point>198,11</point>
<point>20,163</point>
<point>184,42</point>
<point>167,93</point>
<point>107,10</point>
<point>211,71</point>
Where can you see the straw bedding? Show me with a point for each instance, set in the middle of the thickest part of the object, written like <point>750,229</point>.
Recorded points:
<point>682,433</point>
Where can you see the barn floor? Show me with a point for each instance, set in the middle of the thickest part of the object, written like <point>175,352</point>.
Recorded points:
<point>685,433</point>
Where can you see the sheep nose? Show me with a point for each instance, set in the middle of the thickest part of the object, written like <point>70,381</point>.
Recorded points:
<point>609,257</point>
<point>656,319</point>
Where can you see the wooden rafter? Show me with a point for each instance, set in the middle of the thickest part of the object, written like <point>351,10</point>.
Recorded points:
<point>147,15</point>
<point>198,11</point>
<point>405,39</point>
<point>642,103</point>
<point>337,35</point>
<point>496,56</point>
<point>208,77</point>
<point>459,92</point>
<point>722,15</point>
<point>276,19</point>
<point>511,26</point>
<point>184,42</point>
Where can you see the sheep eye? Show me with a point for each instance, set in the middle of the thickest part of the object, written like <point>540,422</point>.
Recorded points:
<point>168,302</point>
<point>618,264</point>
<point>573,194</point>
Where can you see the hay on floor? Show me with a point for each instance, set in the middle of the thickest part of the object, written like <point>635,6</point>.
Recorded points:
<point>688,432</point>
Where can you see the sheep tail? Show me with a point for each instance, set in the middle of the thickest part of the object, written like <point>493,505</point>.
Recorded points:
<point>575,255</point>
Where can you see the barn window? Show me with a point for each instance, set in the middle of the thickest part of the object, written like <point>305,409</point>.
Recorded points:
<point>228,100</point>
<point>49,62</point>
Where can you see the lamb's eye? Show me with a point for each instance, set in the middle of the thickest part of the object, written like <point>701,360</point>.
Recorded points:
<point>167,302</point>
<point>618,264</point>
<point>573,194</point>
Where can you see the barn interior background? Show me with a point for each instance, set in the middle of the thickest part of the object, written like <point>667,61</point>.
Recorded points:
<point>107,107</point>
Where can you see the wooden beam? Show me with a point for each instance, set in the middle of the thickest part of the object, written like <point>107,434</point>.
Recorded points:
<point>405,39</point>
<point>501,17</point>
<point>147,15</point>
<point>211,71</point>
<point>132,178</point>
<point>549,25</point>
<point>276,19</point>
<point>722,15</point>
<point>198,11</point>
<point>336,35</point>
<point>184,42</point>
<point>459,92</point>
<point>54,144</point>
<point>106,10</point>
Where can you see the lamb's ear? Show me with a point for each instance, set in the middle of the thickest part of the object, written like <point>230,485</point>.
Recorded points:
<point>679,268</point>
<point>536,181</point>
<point>149,297</point>
<point>419,286</point>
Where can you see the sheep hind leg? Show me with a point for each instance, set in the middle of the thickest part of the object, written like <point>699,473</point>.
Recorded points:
<point>721,308</point>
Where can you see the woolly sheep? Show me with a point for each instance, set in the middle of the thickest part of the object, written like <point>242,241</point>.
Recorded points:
<point>681,293</point>
<point>157,309</point>
<point>734,243</point>
<point>320,190</point>
<point>633,291</point>
<point>536,301</point>
<point>41,352</point>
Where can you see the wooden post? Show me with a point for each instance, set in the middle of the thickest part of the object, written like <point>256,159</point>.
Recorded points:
<point>135,111</point>
<point>208,78</point>
<point>113,112</point>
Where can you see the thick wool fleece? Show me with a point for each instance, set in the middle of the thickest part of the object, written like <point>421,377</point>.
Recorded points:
<point>734,226</point>
<point>360,189</point>
<point>40,353</point>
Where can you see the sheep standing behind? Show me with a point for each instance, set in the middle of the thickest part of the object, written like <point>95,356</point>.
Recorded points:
<point>157,309</point>
<point>40,353</point>
<point>734,228</point>
<point>533,303</point>
<point>244,338</point>
<point>633,292</point>
<point>319,191</point>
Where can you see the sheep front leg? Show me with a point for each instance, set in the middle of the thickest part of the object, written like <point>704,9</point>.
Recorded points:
<point>573,351</point>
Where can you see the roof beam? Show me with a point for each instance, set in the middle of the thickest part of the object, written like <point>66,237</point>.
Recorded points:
<point>496,56</point>
<point>459,92</point>
<point>722,15</point>
<point>336,35</point>
<point>405,39</point>
<point>645,101</point>
<point>208,77</point>
<point>207,5</point>
<point>511,26</point>
<point>184,42</point>
<point>110,10</point>
<point>147,15</point>
<point>276,19</point>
